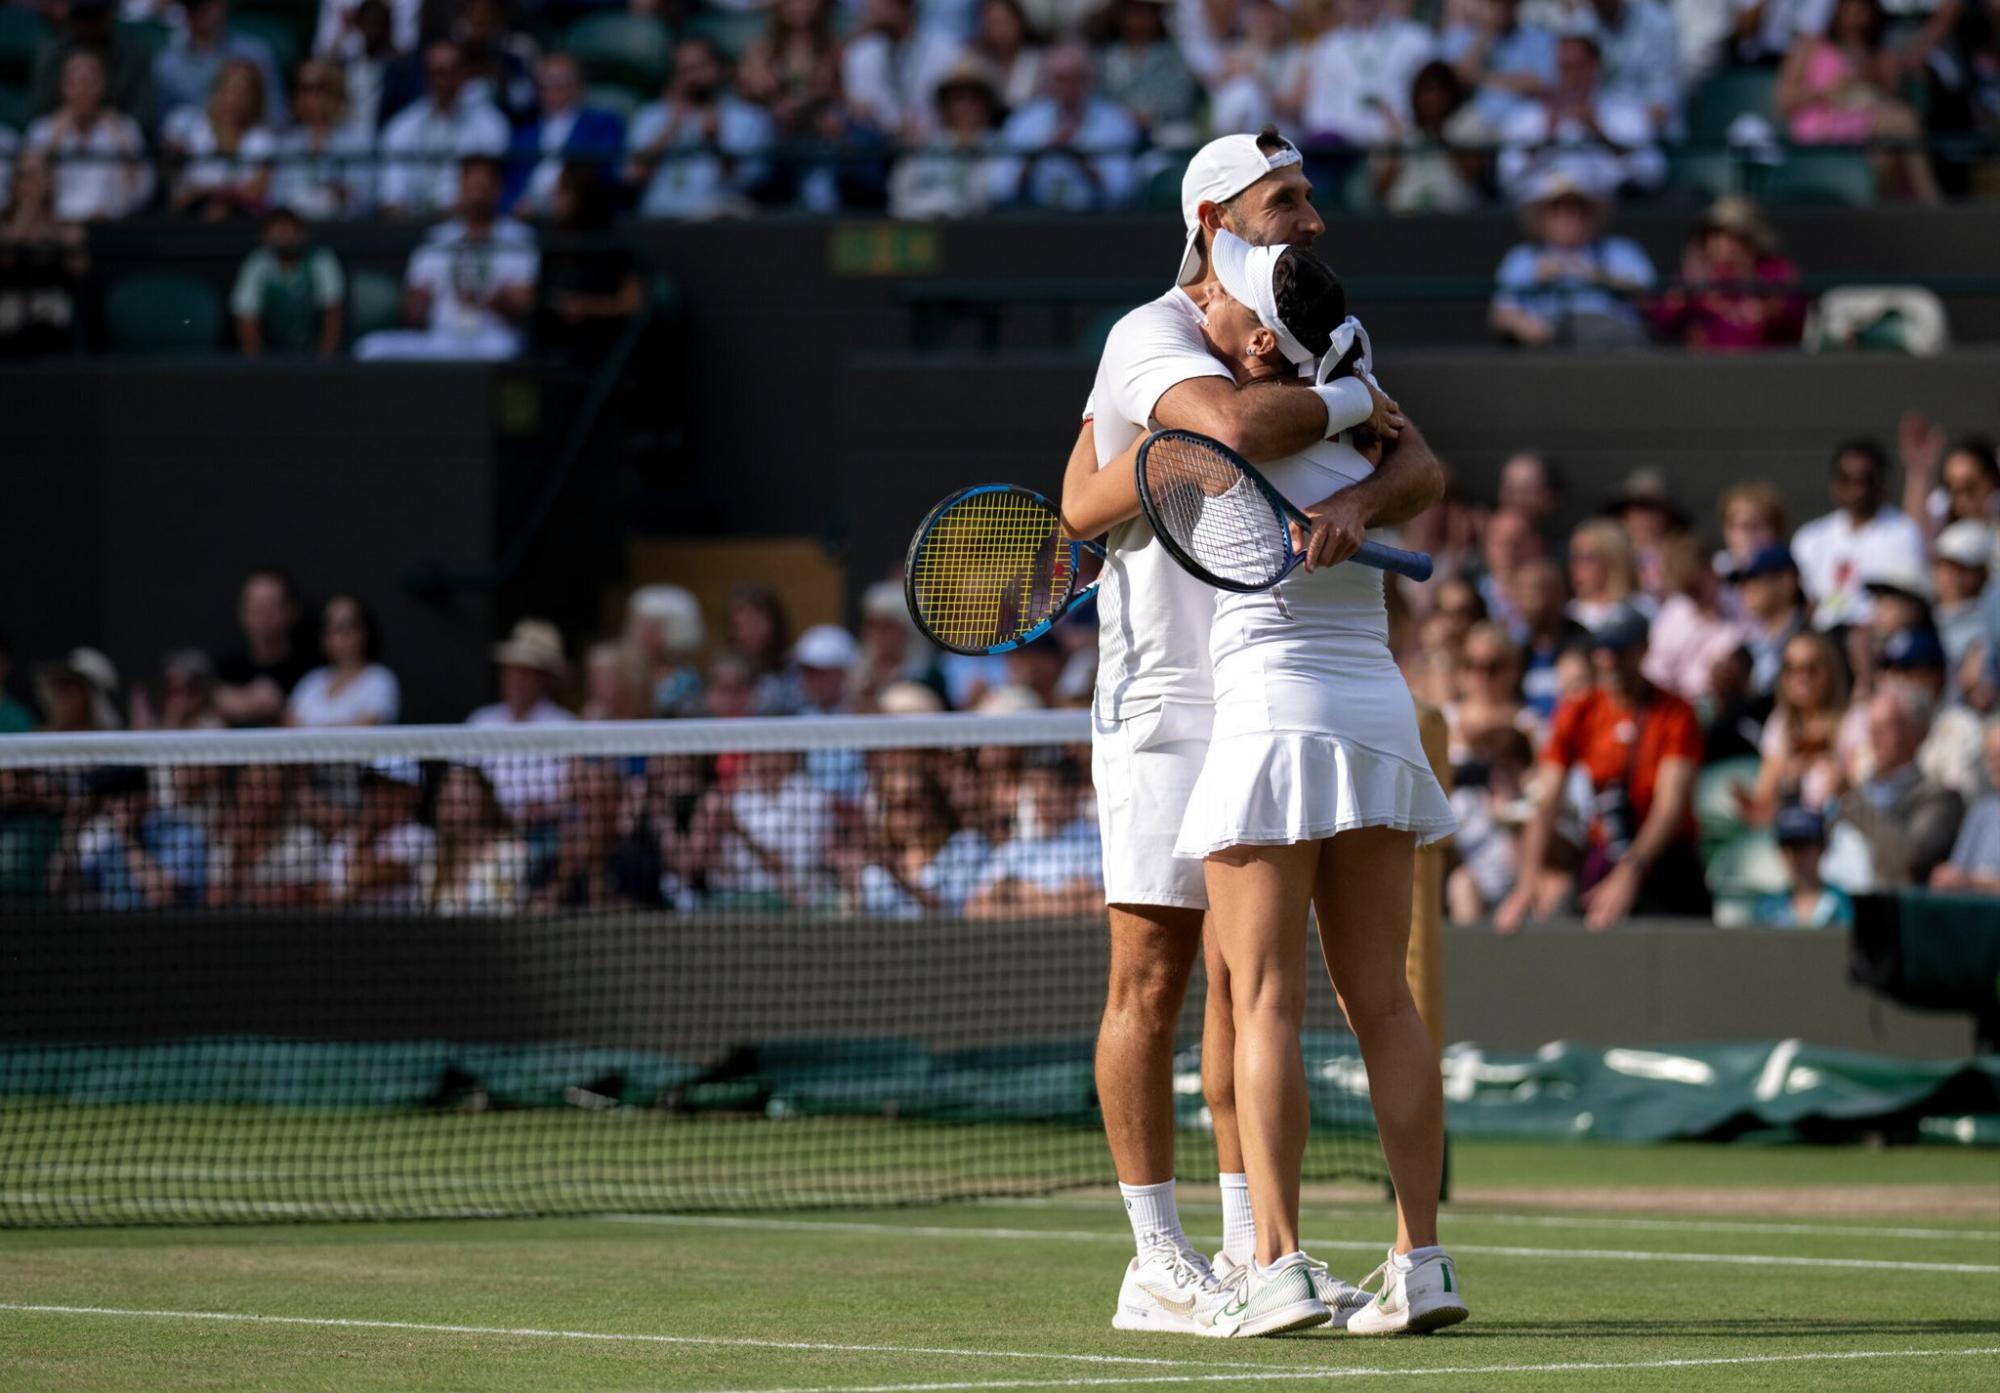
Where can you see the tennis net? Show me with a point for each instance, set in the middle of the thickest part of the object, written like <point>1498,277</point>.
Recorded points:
<point>662,966</point>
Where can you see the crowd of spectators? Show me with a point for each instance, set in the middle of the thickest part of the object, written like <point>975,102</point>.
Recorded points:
<point>1838,678</point>
<point>1642,722</point>
<point>1650,713</point>
<point>948,107</point>
<point>978,833</point>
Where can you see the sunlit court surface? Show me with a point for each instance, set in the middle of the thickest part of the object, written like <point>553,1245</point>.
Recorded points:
<point>1600,1268</point>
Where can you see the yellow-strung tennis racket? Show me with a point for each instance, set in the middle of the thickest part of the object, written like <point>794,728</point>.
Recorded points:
<point>990,570</point>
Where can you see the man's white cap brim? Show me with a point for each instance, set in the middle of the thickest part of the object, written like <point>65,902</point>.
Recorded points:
<point>1219,171</point>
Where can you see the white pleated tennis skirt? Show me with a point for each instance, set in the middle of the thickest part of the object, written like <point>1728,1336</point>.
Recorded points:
<point>1275,788</point>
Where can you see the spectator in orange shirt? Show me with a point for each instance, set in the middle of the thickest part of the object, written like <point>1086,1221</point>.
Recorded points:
<point>1641,747</point>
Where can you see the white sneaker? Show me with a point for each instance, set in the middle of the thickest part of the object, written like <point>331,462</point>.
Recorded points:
<point>1343,1299</point>
<point>1164,1289</point>
<point>1266,1303</point>
<point>1416,1302</point>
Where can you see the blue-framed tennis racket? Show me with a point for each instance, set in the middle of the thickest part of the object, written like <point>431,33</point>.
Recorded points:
<point>1224,522</point>
<point>990,570</point>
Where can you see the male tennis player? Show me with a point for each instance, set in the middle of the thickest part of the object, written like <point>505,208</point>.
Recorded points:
<point>1151,711</point>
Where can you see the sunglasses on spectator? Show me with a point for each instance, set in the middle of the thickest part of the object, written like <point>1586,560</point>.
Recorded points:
<point>1485,667</point>
<point>1792,669</point>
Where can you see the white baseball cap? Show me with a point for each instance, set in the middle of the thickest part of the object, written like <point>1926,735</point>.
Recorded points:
<point>1967,542</point>
<point>1219,171</point>
<point>826,646</point>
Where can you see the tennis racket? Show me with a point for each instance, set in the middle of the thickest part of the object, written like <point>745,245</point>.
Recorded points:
<point>990,570</point>
<point>1225,524</point>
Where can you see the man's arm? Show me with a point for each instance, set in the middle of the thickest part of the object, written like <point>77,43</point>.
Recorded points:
<point>1535,839</point>
<point>1263,423</point>
<point>1407,481</point>
<point>1612,899</point>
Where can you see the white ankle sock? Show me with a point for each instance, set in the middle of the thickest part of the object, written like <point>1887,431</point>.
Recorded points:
<point>1154,1215</point>
<point>1407,1262</point>
<point>1285,1261</point>
<point>1239,1226</point>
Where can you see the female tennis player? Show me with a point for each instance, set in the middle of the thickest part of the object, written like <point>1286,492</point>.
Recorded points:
<point>1315,790</point>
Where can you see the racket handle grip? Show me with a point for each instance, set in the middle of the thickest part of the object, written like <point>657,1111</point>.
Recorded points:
<point>1414,564</point>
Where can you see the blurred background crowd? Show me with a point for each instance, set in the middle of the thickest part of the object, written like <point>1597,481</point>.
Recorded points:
<point>502,126</point>
<point>1737,712</point>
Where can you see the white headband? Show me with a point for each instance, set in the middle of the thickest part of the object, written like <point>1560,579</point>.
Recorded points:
<point>1245,273</point>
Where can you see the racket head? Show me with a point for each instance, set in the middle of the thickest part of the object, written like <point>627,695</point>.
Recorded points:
<point>990,570</point>
<point>1216,516</point>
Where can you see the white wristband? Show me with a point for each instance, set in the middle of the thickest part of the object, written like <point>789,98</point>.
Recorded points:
<point>1347,404</point>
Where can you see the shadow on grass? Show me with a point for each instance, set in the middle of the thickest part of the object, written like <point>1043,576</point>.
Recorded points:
<point>1751,1327</point>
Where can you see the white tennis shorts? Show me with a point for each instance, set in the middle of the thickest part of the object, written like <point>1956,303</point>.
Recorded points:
<point>1144,768</point>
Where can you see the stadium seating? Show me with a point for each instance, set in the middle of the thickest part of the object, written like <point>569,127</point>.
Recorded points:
<point>1728,95</point>
<point>16,107</point>
<point>20,34</point>
<point>152,34</point>
<point>617,98</point>
<point>1702,176</point>
<point>630,50</point>
<point>297,18</point>
<point>374,301</point>
<point>728,30</point>
<point>162,313</point>
<point>1823,177</point>
<point>277,34</point>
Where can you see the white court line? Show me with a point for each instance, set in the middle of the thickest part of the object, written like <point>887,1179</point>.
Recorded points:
<point>1453,1372</point>
<point>1564,1221</point>
<point>244,1318</point>
<point>720,1221</point>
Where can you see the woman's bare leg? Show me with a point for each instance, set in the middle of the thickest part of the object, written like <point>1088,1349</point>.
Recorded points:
<point>1257,900</point>
<point>1363,893</point>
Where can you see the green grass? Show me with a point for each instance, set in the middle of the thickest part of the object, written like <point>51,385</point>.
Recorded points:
<point>1018,1295</point>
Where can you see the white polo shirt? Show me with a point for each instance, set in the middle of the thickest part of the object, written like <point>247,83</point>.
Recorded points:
<point>1153,617</point>
<point>1836,560</point>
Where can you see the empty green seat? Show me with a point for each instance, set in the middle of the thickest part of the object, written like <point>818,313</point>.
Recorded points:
<point>298,18</point>
<point>374,301</point>
<point>162,312</point>
<point>277,36</point>
<point>1728,95</point>
<point>16,106</point>
<point>21,34</point>
<point>729,30</point>
<point>629,49</point>
<point>1747,866</point>
<point>617,98</point>
<point>1702,176</point>
<point>1825,177</point>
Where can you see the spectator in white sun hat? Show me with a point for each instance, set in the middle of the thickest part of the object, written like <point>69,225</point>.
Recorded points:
<point>1962,564</point>
<point>664,624</point>
<point>891,649</point>
<point>78,692</point>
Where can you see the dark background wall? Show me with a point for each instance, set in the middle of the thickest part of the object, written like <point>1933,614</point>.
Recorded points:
<point>649,981</point>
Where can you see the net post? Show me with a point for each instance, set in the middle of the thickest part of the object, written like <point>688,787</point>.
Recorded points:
<point>1425,962</point>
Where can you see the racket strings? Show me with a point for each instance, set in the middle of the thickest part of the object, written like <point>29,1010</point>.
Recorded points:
<point>1206,506</point>
<point>990,569</point>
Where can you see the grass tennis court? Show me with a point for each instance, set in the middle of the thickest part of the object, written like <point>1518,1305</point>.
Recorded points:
<point>1589,1268</point>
